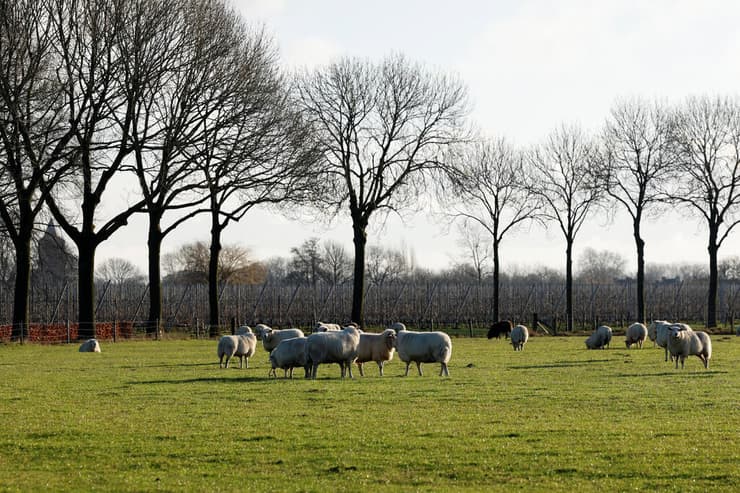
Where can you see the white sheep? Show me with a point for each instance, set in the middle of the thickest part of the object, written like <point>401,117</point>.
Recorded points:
<point>289,354</point>
<point>272,337</point>
<point>658,333</point>
<point>683,343</point>
<point>519,337</point>
<point>424,347</point>
<point>90,346</point>
<point>396,326</point>
<point>243,346</point>
<point>376,347</point>
<point>260,329</point>
<point>325,327</point>
<point>635,334</point>
<point>244,329</point>
<point>333,347</point>
<point>599,338</point>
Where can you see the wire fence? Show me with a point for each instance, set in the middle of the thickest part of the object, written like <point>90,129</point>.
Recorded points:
<point>457,307</point>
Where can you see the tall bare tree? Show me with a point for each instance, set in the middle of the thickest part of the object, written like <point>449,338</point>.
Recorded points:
<point>706,140</point>
<point>35,127</point>
<point>474,242</point>
<point>338,263</point>
<point>109,53</point>
<point>635,167</point>
<point>384,127</point>
<point>563,167</point>
<point>491,186</point>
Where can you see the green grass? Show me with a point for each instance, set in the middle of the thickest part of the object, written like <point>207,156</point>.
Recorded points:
<point>161,416</point>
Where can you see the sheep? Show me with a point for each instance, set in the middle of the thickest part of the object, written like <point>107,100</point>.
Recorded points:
<point>324,327</point>
<point>600,338</point>
<point>289,354</point>
<point>244,329</point>
<point>260,329</point>
<point>500,327</point>
<point>90,346</point>
<point>519,337</point>
<point>683,342</point>
<point>375,347</point>
<point>272,337</point>
<point>333,347</point>
<point>658,333</point>
<point>243,346</point>
<point>423,347</point>
<point>396,326</point>
<point>635,334</point>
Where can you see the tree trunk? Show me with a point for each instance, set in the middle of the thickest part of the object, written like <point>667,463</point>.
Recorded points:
<point>154,243</point>
<point>496,283</point>
<point>358,284</point>
<point>569,285</point>
<point>640,245</point>
<point>213,317</point>
<point>86,288</point>
<point>22,284</point>
<point>713,249</point>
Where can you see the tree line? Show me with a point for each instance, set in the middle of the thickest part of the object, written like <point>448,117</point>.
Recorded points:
<point>183,105</point>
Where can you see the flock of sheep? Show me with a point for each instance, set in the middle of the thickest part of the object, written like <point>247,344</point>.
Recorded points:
<point>331,343</point>
<point>678,339</point>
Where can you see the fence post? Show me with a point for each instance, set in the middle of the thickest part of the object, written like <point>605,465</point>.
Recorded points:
<point>115,324</point>
<point>68,333</point>
<point>233,326</point>
<point>470,328</point>
<point>197,332</point>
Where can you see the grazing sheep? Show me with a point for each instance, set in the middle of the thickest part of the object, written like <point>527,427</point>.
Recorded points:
<point>243,329</point>
<point>683,342</point>
<point>499,328</point>
<point>242,346</point>
<point>333,347</point>
<point>324,327</point>
<point>90,346</point>
<point>519,337</point>
<point>635,334</point>
<point>424,347</point>
<point>376,347</point>
<point>272,337</point>
<point>289,354</point>
<point>599,338</point>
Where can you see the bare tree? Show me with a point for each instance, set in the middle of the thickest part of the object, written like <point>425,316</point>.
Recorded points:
<point>190,264</point>
<point>564,180</point>
<point>307,262</point>
<point>635,167</point>
<point>35,127</point>
<point>338,264</point>
<point>600,266</point>
<point>477,249</point>
<point>384,127</point>
<point>385,265</point>
<point>706,140</point>
<point>118,271</point>
<point>491,187</point>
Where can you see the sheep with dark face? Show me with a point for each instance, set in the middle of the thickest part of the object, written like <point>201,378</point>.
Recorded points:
<point>683,342</point>
<point>502,327</point>
<point>376,347</point>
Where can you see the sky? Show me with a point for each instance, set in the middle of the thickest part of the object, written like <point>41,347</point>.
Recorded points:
<point>529,65</point>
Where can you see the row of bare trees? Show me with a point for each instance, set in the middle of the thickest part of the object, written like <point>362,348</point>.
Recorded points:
<point>173,108</point>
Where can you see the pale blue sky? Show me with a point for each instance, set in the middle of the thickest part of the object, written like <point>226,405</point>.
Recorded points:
<point>529,65</point>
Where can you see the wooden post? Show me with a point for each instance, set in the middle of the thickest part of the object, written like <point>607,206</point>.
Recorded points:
<point>68,333</point>
<point>233,326</point>
<point>115,324</point>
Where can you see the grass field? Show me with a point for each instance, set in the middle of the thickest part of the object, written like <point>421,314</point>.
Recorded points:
<point>161,416</point>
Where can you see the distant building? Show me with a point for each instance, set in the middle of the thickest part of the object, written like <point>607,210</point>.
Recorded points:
<point>56,262</point>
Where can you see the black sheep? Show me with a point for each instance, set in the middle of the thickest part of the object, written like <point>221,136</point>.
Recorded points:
<point>499,328</point>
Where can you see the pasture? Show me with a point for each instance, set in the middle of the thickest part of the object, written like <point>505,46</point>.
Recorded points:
<point>161,416</point>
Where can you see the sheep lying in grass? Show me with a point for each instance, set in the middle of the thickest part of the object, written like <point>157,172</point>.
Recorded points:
<point>271,338</point>
<point>333,347</point>
<point>289,354</point>
<point>90,346</point>
<point>502,327</point>
<point>683,342</point>
<point>635,334</point>
<point>599,338</point>
<point>376,347</point>
<point>519,337</point>
<point>243,346</point>
<point>423,347</point>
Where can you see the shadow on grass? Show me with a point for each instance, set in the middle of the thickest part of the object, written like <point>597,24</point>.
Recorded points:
<point>673,373</point>
<point>202,380</point>
<point>562,364</point>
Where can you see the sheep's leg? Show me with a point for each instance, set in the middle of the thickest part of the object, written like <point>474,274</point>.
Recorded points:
<point>362,371</point>
<point>349,369</point>
<point>418,367</point>
<point>221,361</point>
<point>246,361</point>
<point>291,372</point>
<point>407,369</point>
<point>314,368</point>
<point>380,367</point>
<point>227,361</point>
<point>444,370</point>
